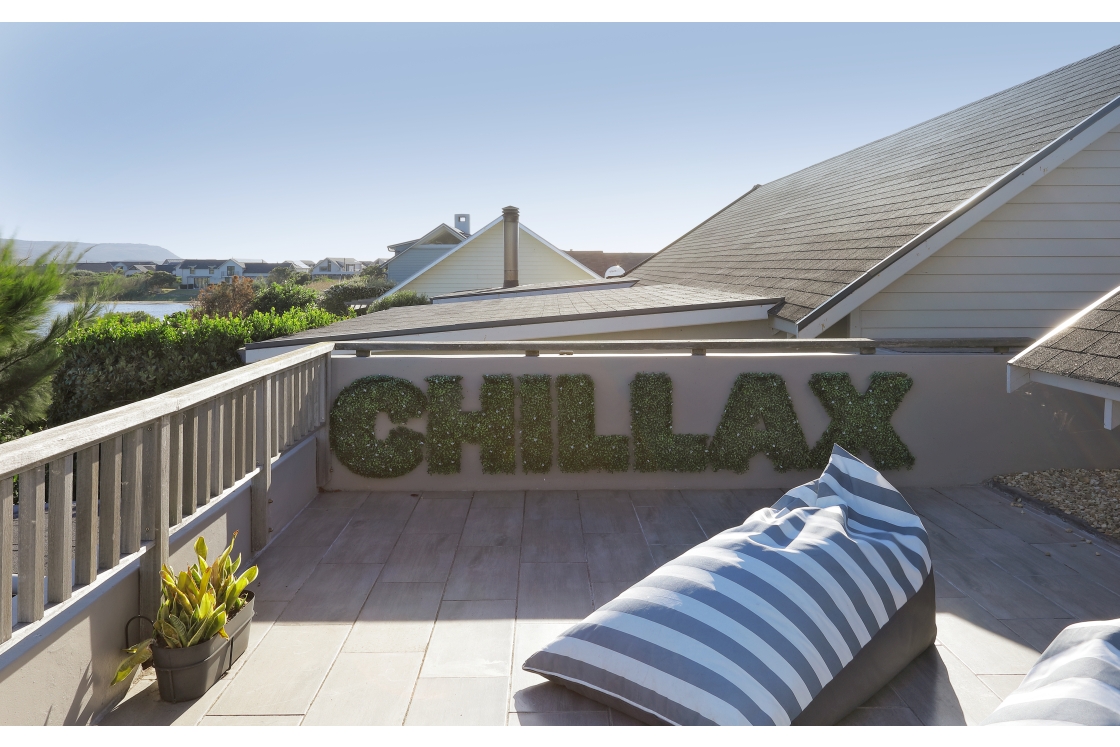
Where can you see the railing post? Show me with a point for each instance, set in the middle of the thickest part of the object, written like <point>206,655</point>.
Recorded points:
<point>109,498</point>
<point>175,471</point>
<point>227,442</point>
<point>322,445</point>
<point>204,435</point>
<point>190,461</point>
<point>32,526</point>
<point>250,428</point>
<point>7,521</point>
<point>217,431</point>
<point>239,403</point>
<point>132,475</point>
<point>60,539</point>
<point>157,502</point>
<point>262,481</point>
<point>86,475</point>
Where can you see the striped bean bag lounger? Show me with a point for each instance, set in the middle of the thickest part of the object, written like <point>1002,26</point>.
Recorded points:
<point>797,616</point>
<point>1075,681</point>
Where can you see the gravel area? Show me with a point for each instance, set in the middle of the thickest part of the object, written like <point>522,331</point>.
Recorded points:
<point>1093,496</point>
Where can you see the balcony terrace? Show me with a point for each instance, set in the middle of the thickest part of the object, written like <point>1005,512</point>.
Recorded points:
<point>413,599</point>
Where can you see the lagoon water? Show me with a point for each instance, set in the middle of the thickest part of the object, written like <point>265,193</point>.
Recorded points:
<point>158,309</point>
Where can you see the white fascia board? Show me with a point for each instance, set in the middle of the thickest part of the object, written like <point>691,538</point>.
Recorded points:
<point>960,219</point>
<point>404,283</point>
<point>559,251</point>
<point>546,330</point>
<point>1017,377</point>
<point>784,325</point>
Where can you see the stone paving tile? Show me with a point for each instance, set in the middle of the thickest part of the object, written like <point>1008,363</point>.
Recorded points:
<point>942,691</point>
<point>499,499</point>
<point>283,674</point>
<point>438,516</point>
<point>618,557</point>
<point>142,705</point>
<point>881,717</point>
<point>985,645</point>
<point>492,526</point>
<point>662,554</point>
<point>321,522</point>
<point>997,509</point>
<point>1083,558</point>
<point>997,591</point>
<point>553,541</point>
<point>284,570</point>
<point>421,557</point>
<point>669,525</point>
<point>251,721</point>
<point>397,617</point>
<point>551,504</point>
<point>362,541</point>
<point>1077,595</point>
<point>387,512</point>
<point>1001,684</point>
<point>1040,633</point>
<point>607,512</point>
<point>458,701</point>
<point>484,573</point>
<point>657,498</point>
<point>366,690</point>
<point>471,639</point>
<point>332,594</point>
<point>553,591</point>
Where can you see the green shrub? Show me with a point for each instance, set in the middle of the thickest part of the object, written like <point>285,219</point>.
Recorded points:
<point>116,361</point>
<point>336,298</point>
<point>400,298</point>
<point>283,297</point>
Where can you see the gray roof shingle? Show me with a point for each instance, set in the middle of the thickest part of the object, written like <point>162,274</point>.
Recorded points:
<point>808,235</point>
<point>1087,348</point>
<point>649,299</point>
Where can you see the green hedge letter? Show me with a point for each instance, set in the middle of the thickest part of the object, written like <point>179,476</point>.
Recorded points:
<point>862,421</point>
<point>580,449</point>
<point>535,392</point>
<point>656,447</point>
<point>449,427</point>
<point>354,416</point>
<point>755,398</point>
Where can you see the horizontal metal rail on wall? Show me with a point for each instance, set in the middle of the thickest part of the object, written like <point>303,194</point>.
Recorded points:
<point>697,347</point>
<point>129,475</point>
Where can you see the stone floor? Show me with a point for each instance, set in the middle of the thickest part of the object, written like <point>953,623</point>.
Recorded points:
<point>391,608</point>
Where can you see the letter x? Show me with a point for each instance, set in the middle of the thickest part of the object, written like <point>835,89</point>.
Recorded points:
<point>862,421</point>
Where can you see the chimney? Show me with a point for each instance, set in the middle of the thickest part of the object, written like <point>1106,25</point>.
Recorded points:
<point>463,223</point>
<point>510,219</point>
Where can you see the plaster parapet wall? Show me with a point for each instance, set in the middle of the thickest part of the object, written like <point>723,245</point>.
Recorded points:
<point>958,419</point>
<point>60,672</point>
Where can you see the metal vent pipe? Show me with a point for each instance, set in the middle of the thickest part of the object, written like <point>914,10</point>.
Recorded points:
<point>511,218</point>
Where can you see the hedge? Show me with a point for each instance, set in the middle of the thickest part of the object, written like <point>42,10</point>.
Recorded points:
<point>116,361</point>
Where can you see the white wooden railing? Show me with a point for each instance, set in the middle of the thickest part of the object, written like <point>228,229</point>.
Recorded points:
<point>135,472</point>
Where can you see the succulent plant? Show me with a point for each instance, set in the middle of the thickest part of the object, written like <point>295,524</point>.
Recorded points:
<point>194,606</point>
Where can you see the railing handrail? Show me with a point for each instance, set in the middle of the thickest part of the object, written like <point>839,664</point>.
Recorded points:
<point>766,344</point>
<point>40,448</point>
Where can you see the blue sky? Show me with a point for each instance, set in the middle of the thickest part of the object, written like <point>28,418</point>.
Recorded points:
<point>300,141</point>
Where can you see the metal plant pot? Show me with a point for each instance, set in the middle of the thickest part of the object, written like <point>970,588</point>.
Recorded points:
<point>187,673</point>
<point>237,628</point>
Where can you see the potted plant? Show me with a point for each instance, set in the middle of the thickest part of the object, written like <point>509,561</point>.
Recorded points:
<point>191,646</point>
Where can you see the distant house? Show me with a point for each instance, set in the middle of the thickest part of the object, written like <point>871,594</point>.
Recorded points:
<point>95,267</point>
<point>336,268</point>
<point>446,260</point>
<point>600,262</point>
<point>263,269</point>
<point>199,273</point>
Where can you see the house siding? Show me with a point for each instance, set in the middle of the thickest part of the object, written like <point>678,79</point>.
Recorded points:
<point>480,264</point>
<point>1049,252</point>
<point>412,261</point>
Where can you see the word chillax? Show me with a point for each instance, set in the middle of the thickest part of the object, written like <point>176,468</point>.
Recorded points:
<point>758,418</point>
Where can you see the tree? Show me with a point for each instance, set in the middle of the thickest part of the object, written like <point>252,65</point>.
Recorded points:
<point>337,298</point>
<point>282,297</point>
<point>284,274</point>
<point>374,272</point>
<point>29,343</point>
<point>224,299</point>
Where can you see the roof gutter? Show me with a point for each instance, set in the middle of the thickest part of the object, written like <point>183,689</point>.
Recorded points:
<point>957,212</point>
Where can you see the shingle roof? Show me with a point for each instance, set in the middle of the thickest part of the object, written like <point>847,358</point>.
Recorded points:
<point>649,299</point>
<point>530,288</point>
<point>808,235</point>
<point>1086,348</point>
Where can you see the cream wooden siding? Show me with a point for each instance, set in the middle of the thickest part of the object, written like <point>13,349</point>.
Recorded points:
<point>480,264</point>
<point>1043,256</point>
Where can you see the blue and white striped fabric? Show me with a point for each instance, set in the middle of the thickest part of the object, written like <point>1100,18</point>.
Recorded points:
<point>1076,681</point>
<point>748,627</point>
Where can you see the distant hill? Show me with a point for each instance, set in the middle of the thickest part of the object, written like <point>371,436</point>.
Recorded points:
<point>97,252</point>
